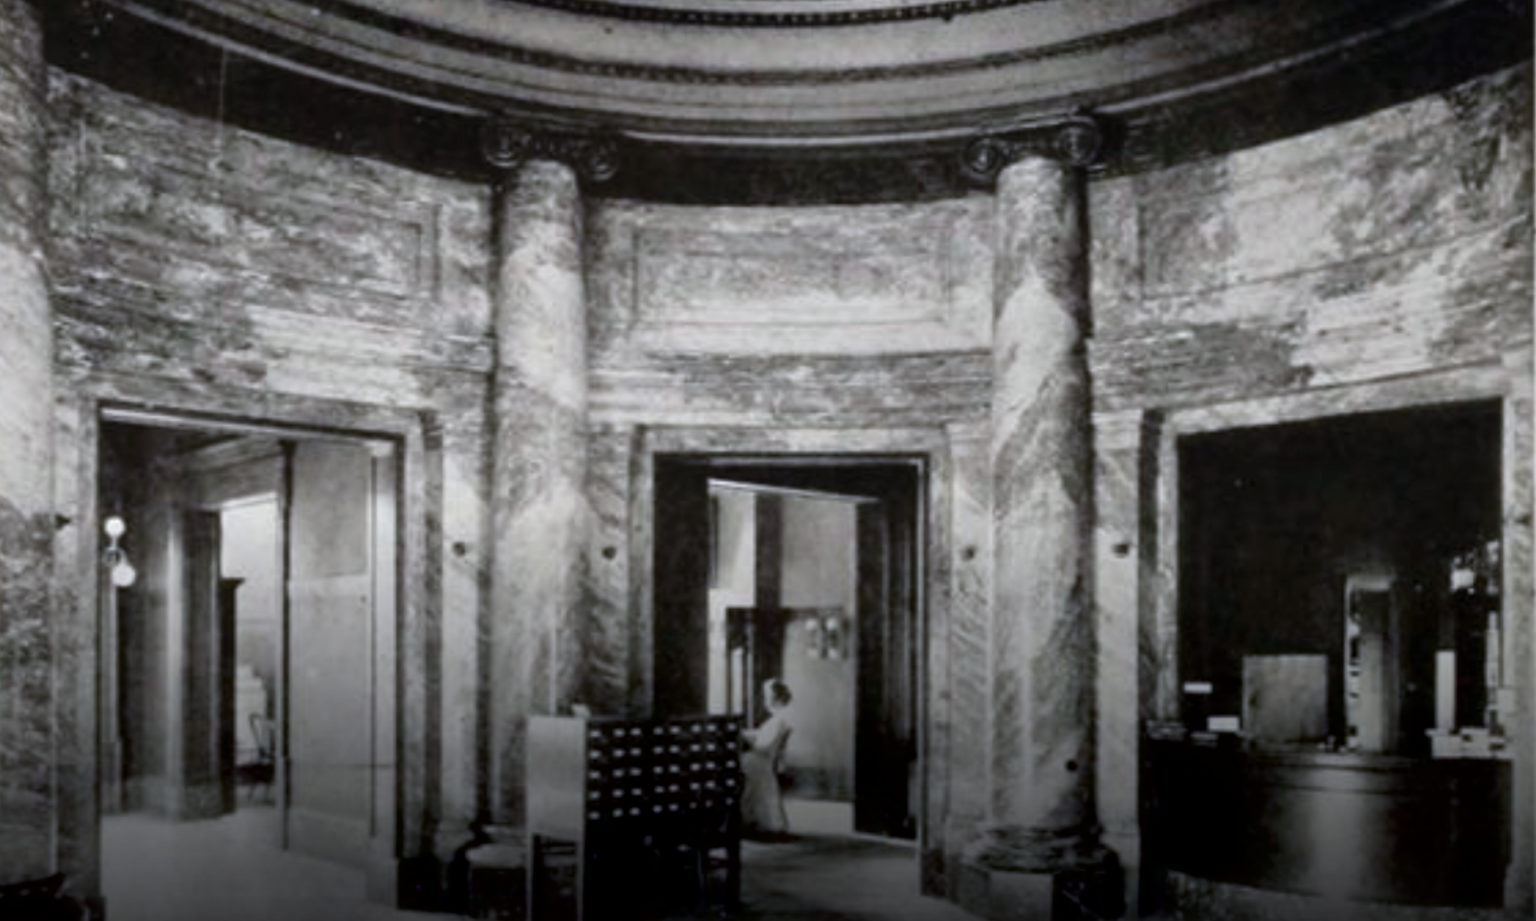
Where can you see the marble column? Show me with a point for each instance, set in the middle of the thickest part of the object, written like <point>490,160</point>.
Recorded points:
<point>1040,806</point>
<point>538,467</point>
<point>28,794</point>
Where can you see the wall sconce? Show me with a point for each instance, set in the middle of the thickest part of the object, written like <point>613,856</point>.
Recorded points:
<point>123,573</point>
<point>826,636</point>
<point>815,640</point>
<point>835,637</point>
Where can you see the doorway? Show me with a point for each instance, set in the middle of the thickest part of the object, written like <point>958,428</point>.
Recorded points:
<point>805,569</point>
<point>247,700</point>
<point>1340,606</point>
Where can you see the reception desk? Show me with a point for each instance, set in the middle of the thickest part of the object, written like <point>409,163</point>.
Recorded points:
<point>1339,824</point>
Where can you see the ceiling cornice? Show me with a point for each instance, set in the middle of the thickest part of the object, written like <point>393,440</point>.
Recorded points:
<point>207,21</point>
<point>170,50</point>
<point>1019,63</point>
<point>742,15</point>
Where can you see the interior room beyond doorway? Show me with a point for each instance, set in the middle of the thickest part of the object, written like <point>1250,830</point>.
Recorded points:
<point>803,570</point>
<point>1344,665</point>
<point>247,693</point>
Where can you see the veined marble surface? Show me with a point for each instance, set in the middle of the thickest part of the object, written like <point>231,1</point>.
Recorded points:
<point>539,509</point>
<point>1042,613</point>
<point>29,800</point>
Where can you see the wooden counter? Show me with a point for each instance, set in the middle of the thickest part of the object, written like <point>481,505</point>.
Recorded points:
<point>1367,827</point>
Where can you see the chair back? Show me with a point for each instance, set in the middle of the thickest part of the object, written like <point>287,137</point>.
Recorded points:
<point>262,731</point>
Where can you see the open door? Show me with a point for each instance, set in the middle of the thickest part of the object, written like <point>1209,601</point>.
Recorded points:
<point>338,595</point>
<point>682,555</point>
<point>885,754</point>
<point>207,755</point>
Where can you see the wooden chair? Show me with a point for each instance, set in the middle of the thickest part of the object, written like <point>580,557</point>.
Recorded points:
<point>260,773</point>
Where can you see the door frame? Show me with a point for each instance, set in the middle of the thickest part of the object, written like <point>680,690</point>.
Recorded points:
<point>932,449</point>
<point>401,805</point>
<point>1152,435</point>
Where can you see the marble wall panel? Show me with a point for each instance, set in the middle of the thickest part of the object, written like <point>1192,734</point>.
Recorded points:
<point>970,615</point>
<point>639,547</point>
<point>419,668</point>
<point>876,391</point>
<point>1385,315</point>
<point>1520,618</point>
<point>811,280</point>
<point>1395,244</point>
<point>75,544</point>
<point>182,204</point>
<point>188,250</point>
<point>1117,589</point>
<point>1114,252</point>
<point>190,221</point>
<point>605,630</point>
<point>1406,178</point>
<point>465,591</point>
<point>935,654</point>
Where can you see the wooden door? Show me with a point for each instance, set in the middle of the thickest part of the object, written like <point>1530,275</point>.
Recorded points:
<point>681,600</point>
<point>207,779</point>
<point>330,644</point>
<point>885,735</point>
<point>226,691</point>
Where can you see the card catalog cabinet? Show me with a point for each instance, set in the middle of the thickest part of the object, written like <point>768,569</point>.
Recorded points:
<point>632,818</point>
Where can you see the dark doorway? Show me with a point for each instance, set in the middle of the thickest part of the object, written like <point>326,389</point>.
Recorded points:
<point>805,569</point>
<point>1297,534</point>
<point>1343,658</point>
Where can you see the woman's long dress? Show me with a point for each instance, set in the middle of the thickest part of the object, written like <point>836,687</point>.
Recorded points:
<point>762,802</point>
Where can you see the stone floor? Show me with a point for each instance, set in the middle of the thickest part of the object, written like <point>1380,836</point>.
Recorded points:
<point>836,879</point>
<point>226,869</point>
<point>230,869</point>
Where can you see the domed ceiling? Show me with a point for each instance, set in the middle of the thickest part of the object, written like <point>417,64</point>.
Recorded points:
<point>825,80</point>
<point>793,72</point>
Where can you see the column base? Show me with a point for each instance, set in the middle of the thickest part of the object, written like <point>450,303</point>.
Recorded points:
<point>1019,875</point>
<point>1127,849</point>
<point>1006,895</point>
